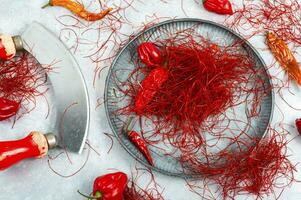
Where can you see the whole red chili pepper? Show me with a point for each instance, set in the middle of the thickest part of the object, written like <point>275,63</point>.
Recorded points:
<point>298,125</point>
<point>149,54</point>
<point>223,7</point>
<point>109,186</point>
<point>150,86</point>
<point>8,108</point>
<point>79,9</point>
<point>140,144</point>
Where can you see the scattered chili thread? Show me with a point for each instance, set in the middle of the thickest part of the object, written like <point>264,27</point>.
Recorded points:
<point>110,136</point>
<point>278,16</point>
<point>61,124</point>
<point>134,192</point>
<point>52,159</point>
<point>109,35</point>
<point>93,148</point>
<point>22,80</point>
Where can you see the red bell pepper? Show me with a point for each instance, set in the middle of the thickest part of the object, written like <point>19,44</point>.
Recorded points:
<point>8,108</point>
<point>149,54</point>
<point>109,186</point>
<point>223,7</point>
<point>150,86</point>
<point>298,125</point>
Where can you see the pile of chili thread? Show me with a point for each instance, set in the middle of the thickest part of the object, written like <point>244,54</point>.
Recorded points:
<point>21,80</point>
<point>253,170</point>
<point>185,86</point>
<point>203,81</point>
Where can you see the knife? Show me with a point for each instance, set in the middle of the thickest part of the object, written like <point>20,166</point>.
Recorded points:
<point>72,101</point>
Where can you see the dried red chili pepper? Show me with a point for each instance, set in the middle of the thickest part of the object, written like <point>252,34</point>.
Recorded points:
<point>109,187</point>
<point>79,9</point>
<point>140,144</point>
<point>149,54</point>
<point>284,56</point>
<point>137,140</point>
<point>223,7</point>
<point>7,47</point>
<point>298,125</point>
<point>8,108</point>
<point>150,86</point>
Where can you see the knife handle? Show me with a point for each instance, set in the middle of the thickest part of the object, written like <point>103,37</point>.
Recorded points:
<point>35,145</point>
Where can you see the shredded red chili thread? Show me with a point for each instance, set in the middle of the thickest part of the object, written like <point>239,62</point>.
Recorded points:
<point>135,192</point>
<point>195,91</point>
<point>110,136</point>
<point>52,162</point>
<point>254,170</point>
<point>110,34</point>
<point>194,111</point>
<point>22,79</point>
<point>62,173</point>
<point>281,17</point>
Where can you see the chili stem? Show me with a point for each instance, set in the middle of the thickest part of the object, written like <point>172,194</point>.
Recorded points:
<point>46,5</point>
<point>97,195</point>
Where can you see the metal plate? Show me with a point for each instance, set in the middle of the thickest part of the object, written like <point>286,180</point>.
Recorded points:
<point>209,30</point>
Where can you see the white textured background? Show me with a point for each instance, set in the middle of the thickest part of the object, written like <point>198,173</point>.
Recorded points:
<point>34,180</point>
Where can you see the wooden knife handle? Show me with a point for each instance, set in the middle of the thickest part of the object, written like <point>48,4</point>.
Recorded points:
<point>35,145</point>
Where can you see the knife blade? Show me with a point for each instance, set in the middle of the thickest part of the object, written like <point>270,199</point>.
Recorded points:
<point>70,91</point>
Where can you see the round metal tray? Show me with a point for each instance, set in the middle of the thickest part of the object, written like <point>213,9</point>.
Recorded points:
<point>122,66</point>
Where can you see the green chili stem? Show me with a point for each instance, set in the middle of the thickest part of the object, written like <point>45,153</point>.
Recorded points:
<point>97,195</point>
